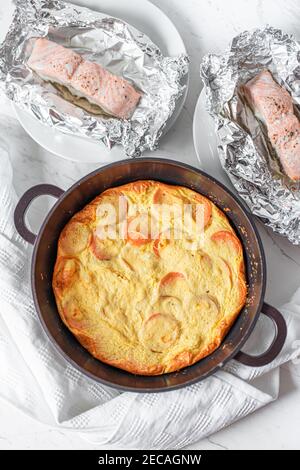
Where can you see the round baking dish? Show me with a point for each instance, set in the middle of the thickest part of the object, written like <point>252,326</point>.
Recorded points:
<point>74,199</point>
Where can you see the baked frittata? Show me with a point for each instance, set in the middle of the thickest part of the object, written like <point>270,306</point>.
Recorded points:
<point>149,304</point>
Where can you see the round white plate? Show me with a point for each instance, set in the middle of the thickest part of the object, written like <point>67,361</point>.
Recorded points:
<point>144,16</point>
<point>206,144</point>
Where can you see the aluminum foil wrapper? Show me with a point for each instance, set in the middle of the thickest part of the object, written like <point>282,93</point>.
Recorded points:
<point>244,150</point>
<point>112,43</point>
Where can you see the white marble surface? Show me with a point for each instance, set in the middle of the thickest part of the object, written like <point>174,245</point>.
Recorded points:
<point>205,25</point>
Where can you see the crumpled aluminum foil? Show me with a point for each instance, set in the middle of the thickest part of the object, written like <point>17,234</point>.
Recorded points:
<point>244,150</point>
<point>109,41</point>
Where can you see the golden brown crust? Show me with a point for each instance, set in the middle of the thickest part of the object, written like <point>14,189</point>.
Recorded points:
<point>149,305</point>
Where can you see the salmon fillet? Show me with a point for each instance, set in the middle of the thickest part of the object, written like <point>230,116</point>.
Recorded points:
<point>273,106</point>
<point>58,64</point>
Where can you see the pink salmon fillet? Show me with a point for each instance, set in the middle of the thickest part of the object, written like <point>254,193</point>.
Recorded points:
<point>58,64</point>
<point>273,106</point>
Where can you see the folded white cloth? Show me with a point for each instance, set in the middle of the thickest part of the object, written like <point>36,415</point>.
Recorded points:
<point>42,384</point>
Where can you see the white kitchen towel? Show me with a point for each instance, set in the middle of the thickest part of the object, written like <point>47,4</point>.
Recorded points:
<point>38,381</point>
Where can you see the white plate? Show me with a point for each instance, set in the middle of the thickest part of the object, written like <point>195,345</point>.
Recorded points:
<point>149,19</point>
<point>206,144</point>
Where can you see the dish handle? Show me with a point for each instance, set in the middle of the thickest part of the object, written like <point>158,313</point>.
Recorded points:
<point>24,204</point>
<point>277,344</point>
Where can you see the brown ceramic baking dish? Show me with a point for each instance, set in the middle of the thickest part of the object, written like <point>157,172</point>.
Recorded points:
<point>71,201</point>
